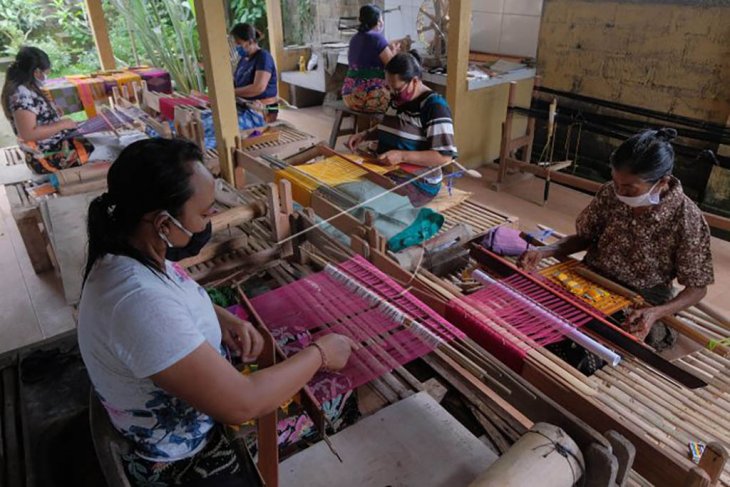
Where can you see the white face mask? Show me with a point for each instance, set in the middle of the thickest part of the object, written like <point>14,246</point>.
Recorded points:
<point>647,199</point>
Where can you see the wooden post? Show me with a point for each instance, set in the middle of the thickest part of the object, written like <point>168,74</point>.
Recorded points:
<point>276,41</point>
<point>504,152</point>
<point>457,61</point>
<point>95,15</point>
<point>211,16</point>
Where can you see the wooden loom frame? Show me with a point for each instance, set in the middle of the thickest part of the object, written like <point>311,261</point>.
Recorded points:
<point>247,162</point>
<point>667,466</point>
<point>660,466</point>
<point>651,460</point>
<point>366,242</point>
<point>510,145</point>
<point>606,458</point>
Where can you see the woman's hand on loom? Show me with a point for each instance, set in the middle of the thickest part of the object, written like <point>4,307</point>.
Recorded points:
<point>241,337</point>
<point>640,321</point>
<point>67,124</point>
<point>392,158</point>
<point>355,140</point>
<point>530,259</point>
<point>336,350</point>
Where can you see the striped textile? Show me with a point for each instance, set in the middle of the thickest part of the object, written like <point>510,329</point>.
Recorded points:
<point>419,125</point>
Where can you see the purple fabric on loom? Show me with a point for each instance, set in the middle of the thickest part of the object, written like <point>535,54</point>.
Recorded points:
<point>157,79</point>
<point>536,316</point>
<point>505,241</point>
<point>319,305</point>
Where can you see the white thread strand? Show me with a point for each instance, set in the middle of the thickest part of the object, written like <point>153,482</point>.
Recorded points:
<point>569,330</point>
<point>370,200</point>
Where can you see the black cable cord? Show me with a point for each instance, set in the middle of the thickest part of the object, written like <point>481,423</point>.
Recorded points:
<point>565,453</point>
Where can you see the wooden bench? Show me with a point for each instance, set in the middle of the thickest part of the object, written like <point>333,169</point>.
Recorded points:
<point>27,216</point>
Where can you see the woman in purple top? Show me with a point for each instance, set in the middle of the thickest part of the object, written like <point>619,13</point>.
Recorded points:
<point>364,88</point>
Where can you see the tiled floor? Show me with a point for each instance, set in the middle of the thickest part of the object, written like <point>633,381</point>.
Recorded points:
<point>32,307</point>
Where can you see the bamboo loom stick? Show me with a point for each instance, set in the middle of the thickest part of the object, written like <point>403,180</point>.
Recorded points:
<point>662,435</point>
<point>683,328</point>
<point>709,327</point>
<point>712,312</point>
<point>678,395</point>
<point>694,311</point>
<point>688,420</point>
<point>712,415</point>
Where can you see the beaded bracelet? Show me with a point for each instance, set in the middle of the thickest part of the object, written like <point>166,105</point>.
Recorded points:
<point>325,362</point>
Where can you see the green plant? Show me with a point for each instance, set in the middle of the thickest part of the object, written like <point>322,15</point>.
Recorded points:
<point>19,19</point>
<point>70,20</point>
<point>251,12</point>
<point>298,22</point>
<point>167,33</point>
<point>57,26</point>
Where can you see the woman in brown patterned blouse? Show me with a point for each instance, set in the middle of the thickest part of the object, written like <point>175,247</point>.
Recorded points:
<point>642,231</point>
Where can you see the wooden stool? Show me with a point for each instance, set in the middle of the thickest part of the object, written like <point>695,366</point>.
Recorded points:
<point>109,444</point>
<point>341,113</point>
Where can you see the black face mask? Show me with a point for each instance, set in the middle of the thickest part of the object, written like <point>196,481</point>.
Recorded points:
<point>197,242</point>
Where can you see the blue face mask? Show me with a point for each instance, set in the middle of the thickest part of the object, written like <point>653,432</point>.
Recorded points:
<point>241,51</point>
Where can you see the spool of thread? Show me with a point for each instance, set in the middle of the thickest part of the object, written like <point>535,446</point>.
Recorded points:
<point>544,456</point>
<point>568,330</point>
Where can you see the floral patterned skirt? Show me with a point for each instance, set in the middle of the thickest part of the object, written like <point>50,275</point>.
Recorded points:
<point>365,91</point>
<point>217,465</point>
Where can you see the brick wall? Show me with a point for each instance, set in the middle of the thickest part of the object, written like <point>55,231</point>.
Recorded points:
<point>670,56</point>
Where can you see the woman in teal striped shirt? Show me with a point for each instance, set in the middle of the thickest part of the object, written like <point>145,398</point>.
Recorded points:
<point>417,131</point>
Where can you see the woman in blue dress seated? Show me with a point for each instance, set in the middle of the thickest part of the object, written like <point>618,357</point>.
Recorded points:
<point>255,76</point>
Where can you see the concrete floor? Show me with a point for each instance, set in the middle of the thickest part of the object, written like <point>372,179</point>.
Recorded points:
<point>32,307</point>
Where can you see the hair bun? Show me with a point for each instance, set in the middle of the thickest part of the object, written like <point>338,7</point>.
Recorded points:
<point>708,156</point>
<point>415,55</point>
<point>666,133</point>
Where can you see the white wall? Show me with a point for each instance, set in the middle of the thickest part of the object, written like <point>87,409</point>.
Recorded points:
<point>498,26</point>
<point>401,23</point>
<point>506,26</point>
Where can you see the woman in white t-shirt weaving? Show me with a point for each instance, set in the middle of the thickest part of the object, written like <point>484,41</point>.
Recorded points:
<point>152,340</point>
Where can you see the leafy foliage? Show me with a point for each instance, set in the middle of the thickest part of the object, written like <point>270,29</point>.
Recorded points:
<point>167,33</point>
<point>157,32</point>
<point>299,21</point>
<point>251,12</point>
<point>57,26</point>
